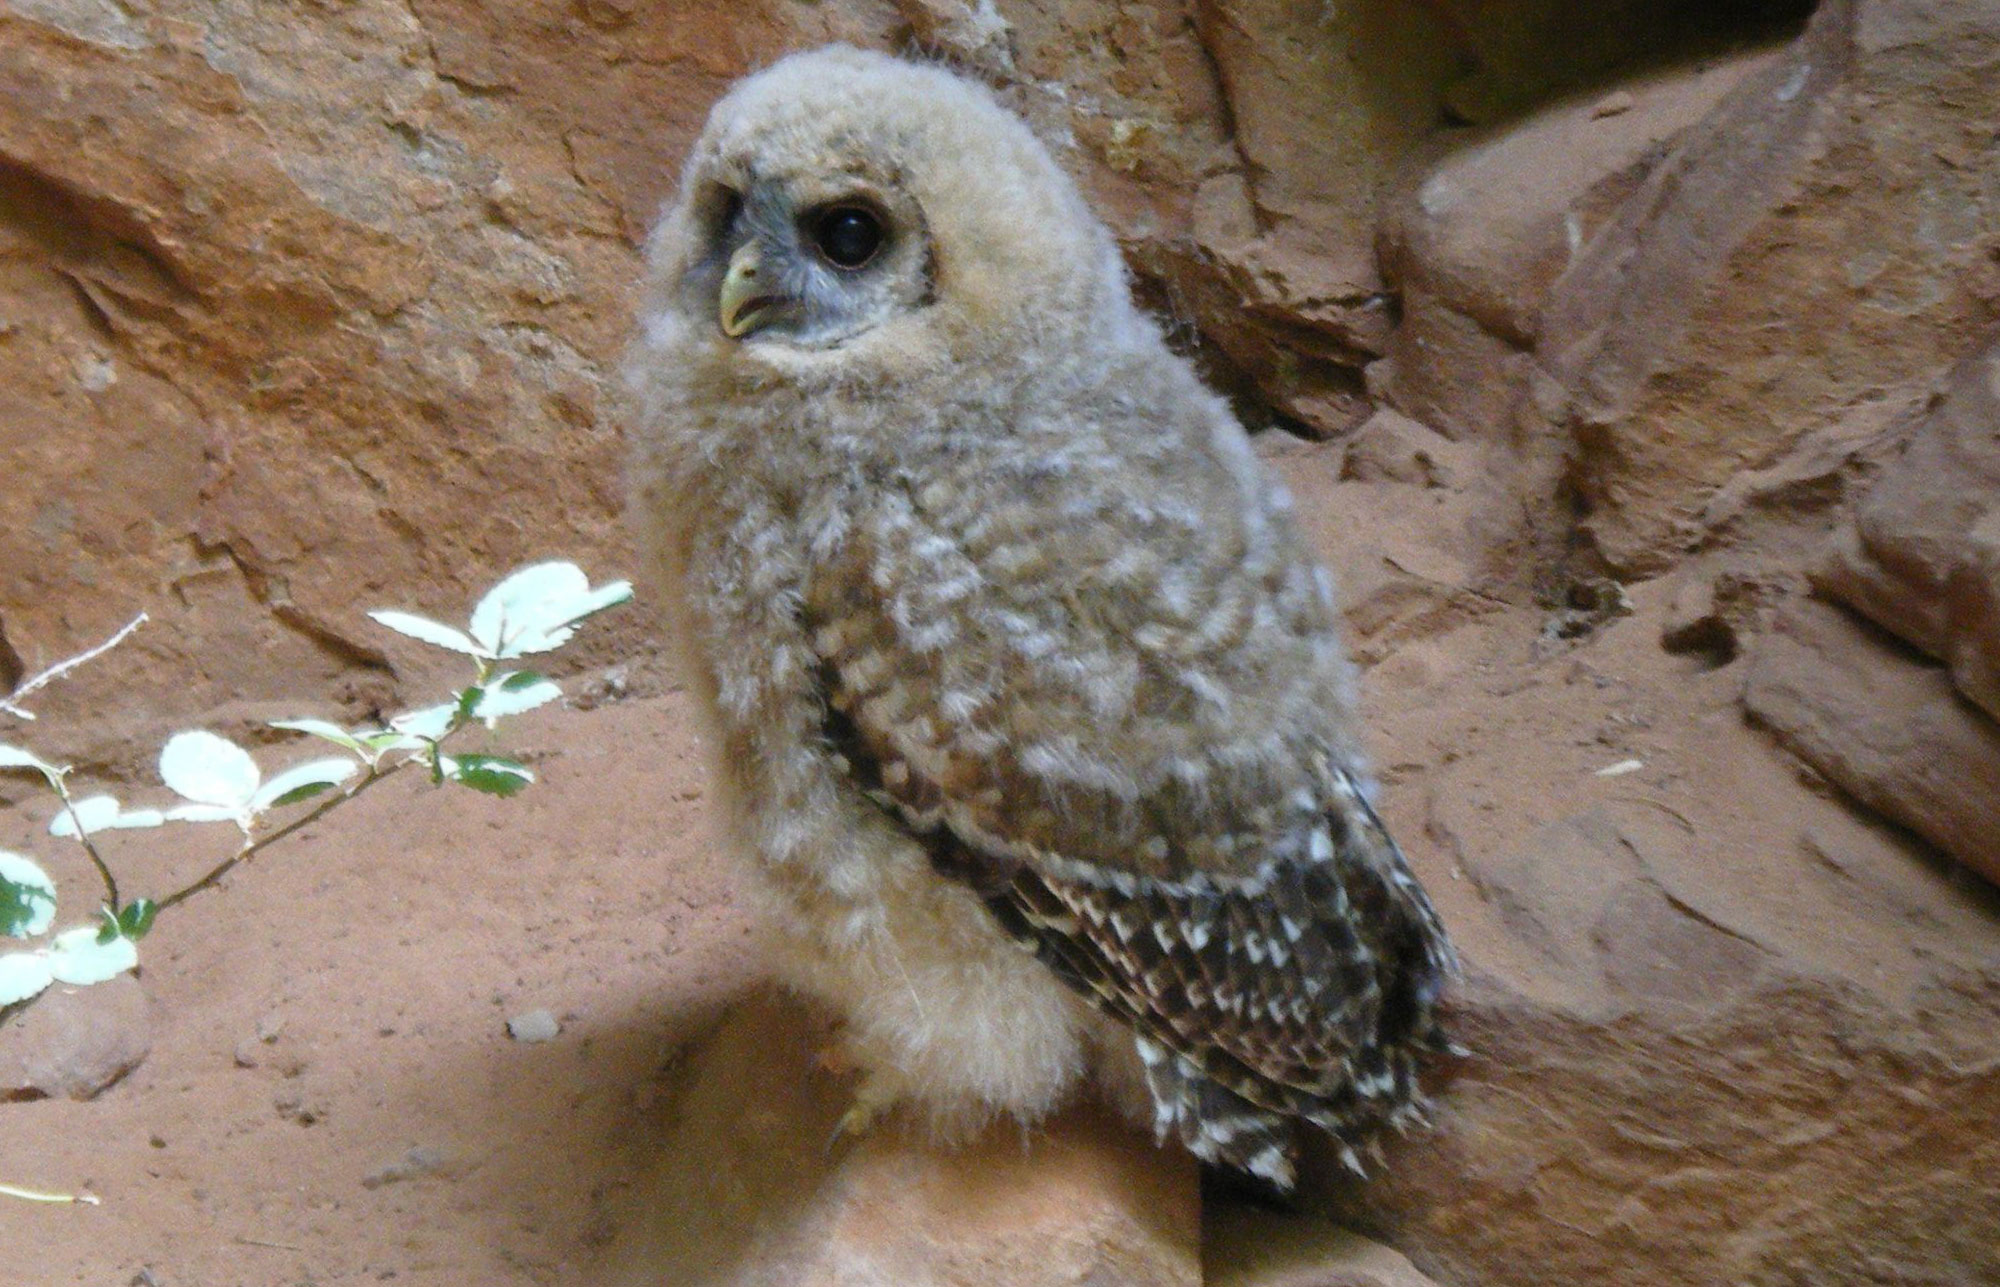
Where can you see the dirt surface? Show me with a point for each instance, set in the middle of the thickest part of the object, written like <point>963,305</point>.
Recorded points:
<point>333,1096</point>
<point>382,955</point>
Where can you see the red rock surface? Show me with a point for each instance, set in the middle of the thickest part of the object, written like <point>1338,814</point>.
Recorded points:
<point>1919,556</point>
<point>1632,324</point>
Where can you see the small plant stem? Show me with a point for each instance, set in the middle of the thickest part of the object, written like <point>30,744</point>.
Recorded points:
<point>31,1195</point>
<point>253,844</point>
<point>83,838</point>
<point>10,702</point>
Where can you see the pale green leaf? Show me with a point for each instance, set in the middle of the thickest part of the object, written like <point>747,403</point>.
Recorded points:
<point>101,813</point>
<point>556,622</point>
<point>520,604</point>
<point>13,757</point>
<point>93,813</point>
<point>22,975</point>
<point>324,730</point>
<point>589,605</point>
<point>430,723</point>
<point>370,744</point>
<point>431,632</point>
<point>76,957</point>
<point>207,769</point>
<point>206,813</point>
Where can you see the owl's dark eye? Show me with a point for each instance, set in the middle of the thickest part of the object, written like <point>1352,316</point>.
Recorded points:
<point>848,236</point>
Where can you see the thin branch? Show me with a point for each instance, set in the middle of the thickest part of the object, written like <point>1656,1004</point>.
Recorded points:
<point>83,838</point>
<point>10,702</point>
<point>305,819</point>
<point>459,724</point>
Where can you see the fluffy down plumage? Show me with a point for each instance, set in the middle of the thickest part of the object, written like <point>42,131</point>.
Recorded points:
<point>1007,641</point>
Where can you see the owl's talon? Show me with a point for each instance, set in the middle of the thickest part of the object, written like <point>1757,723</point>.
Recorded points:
<point>873,1099</point>
<point>857,1121</point>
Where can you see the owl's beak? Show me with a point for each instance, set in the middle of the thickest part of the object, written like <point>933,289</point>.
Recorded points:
<point>747,302</point>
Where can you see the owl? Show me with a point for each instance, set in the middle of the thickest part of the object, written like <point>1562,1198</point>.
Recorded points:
<point>1027,699</point>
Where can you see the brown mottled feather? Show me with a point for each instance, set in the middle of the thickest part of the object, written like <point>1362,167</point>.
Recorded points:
<point>1303,997</point>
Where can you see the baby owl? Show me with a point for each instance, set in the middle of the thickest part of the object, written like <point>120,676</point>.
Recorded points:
<point>1006,641</point>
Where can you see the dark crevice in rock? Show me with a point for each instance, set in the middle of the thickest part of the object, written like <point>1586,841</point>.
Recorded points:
<point>1523,55</point>
<point>90,239</point>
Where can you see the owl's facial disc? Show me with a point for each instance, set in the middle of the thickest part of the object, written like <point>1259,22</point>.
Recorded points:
<point>813,265</point>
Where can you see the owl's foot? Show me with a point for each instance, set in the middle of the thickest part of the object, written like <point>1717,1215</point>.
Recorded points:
<point>874,1098</point>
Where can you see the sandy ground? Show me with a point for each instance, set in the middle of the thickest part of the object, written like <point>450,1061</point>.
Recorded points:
<point>384,952</point>
<point>332,1095</point>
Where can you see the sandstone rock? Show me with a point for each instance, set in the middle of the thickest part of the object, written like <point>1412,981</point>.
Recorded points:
<point>1825,234</point>
<point>1250,1248</point>
<point>752,1189</point>
<point>1885,728</point>
<point>1695,622</point>
<point>973,34</point>
<point>1390,447</point>
<point>1678,1082</point>
<point>1975,591</point>
<point>1919,556</point>
<point>73,1043</point>
<point>423,1160</point>
<point>312,316</point>
<point>1400,585</point>
<point>1479,236</point>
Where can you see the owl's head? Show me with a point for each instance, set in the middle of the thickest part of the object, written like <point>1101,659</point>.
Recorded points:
<point>846,215</point>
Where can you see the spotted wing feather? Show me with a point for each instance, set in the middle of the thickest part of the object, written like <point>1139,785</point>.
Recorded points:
<point>1304,991</point>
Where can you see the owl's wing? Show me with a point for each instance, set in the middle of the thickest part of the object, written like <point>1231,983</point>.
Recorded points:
<point>1245,912</point>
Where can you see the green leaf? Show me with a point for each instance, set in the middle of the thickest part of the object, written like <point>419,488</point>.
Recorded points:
<point>515,680</point>
<point>389,739</point>
<point>468,701</point>
<point>135,919</point>
<point>27,898</point>
<point>510,698</point>
<point>302,782</point>
<point>492,774</point>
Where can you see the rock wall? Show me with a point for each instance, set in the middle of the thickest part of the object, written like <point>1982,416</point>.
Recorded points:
<point>1660,332</point>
